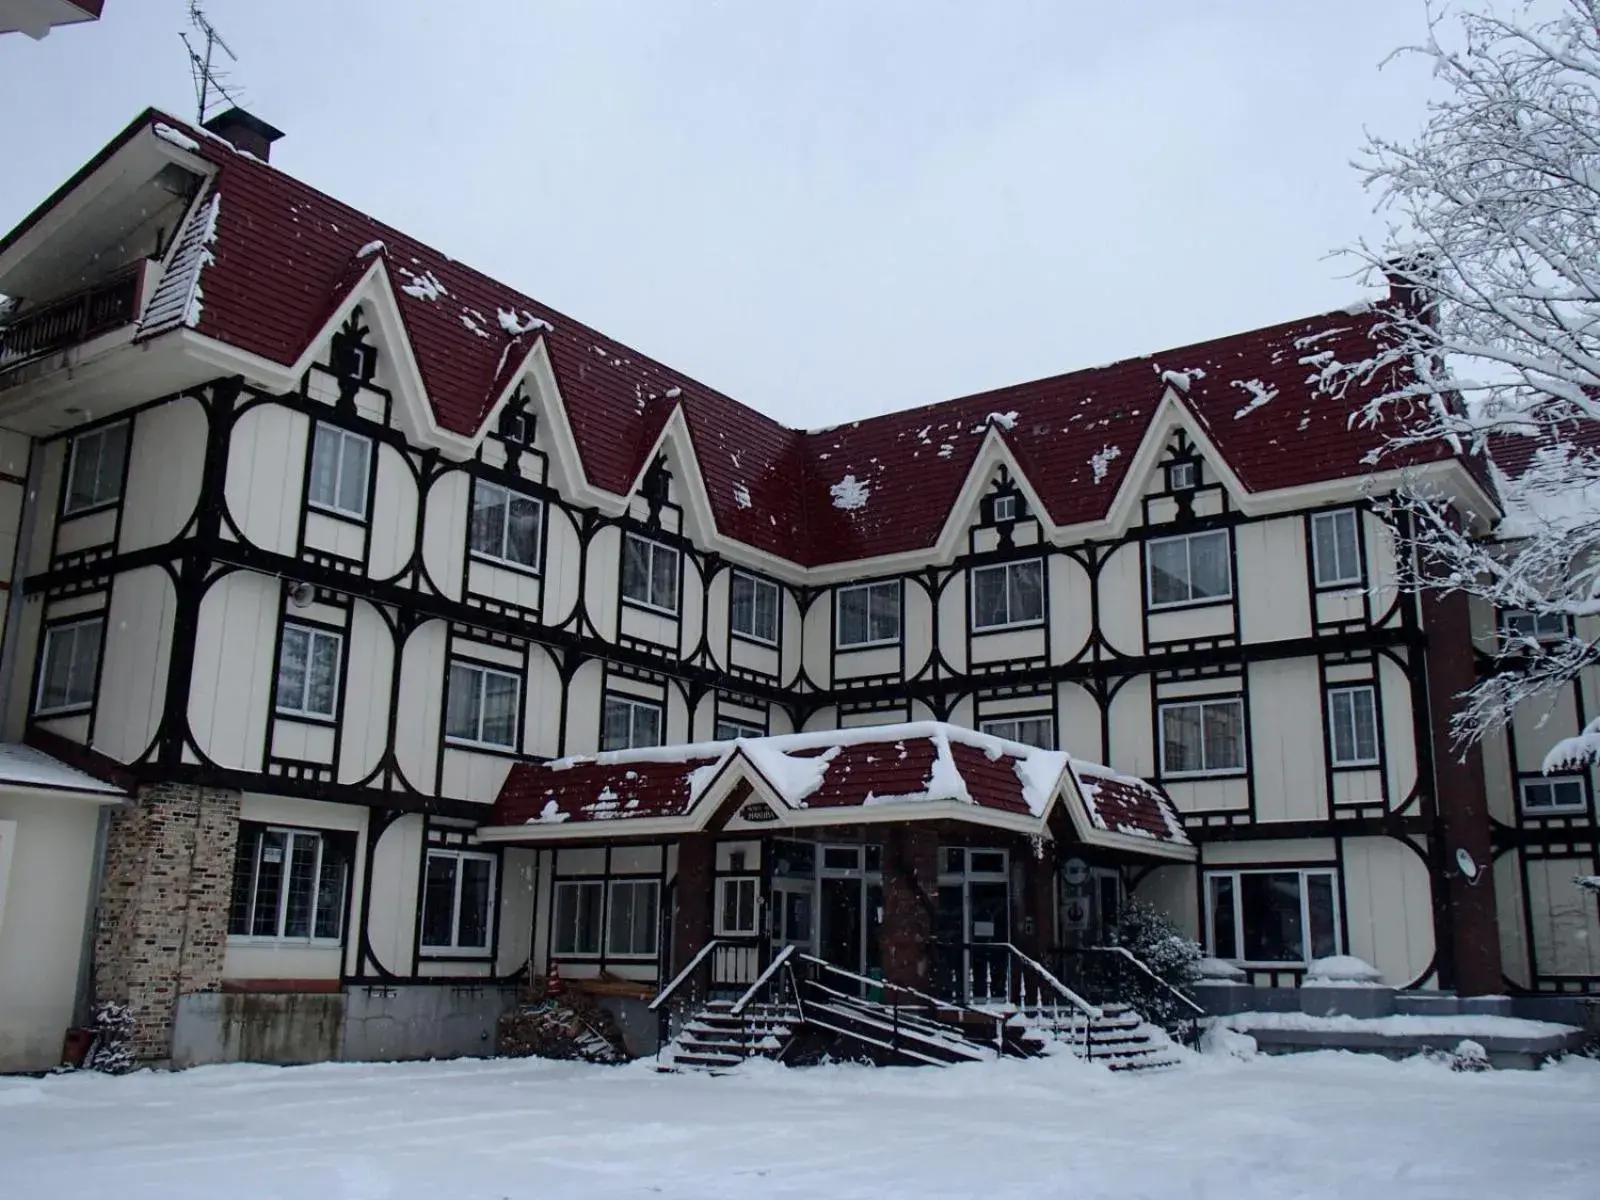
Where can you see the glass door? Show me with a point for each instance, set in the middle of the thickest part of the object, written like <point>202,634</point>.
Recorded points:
<point>793,923</point>
<point>974,925</point>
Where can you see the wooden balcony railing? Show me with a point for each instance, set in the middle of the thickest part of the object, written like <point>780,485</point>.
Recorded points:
<point>72,320</point>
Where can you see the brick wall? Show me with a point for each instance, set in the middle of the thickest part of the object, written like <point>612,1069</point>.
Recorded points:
<point>162,925</point>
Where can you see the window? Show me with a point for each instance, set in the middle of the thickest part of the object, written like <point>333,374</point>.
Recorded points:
<point>1555,794</point>
<point>308,671</point>
<point>94,469</point>
<point>481,706</point>
<point>339,464</point>
<point>754,607</point>
<point>67,669</point>
<point>630,724</point>
<point>1030,731</point>
<point>1008,594</point>
<point>1190,569</point>
<point>1353,721</point>
<point>1202,737</point>
<point>1271,917</point>
<point>289,884</point>
<point>1004,508</point>
<point>1335,549</point>
<point>1182,476</point>
<point>729,728</point>
<point>736,907</point>
<point>457,893</point>
<point>577,917</point>
<point>632,924</point>
<point>868,614</point>
<point>649,573</point>
<point>505,525</point>
<point>1539,627</point>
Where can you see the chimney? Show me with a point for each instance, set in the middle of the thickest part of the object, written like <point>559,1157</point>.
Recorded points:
<point>247,133</point>
<point>1411,275</point>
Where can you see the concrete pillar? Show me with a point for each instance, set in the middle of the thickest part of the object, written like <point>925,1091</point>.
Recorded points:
<point>691,920</point>
<point>910,900</point>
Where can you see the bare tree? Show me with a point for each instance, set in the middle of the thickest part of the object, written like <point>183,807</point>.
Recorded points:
<point>1493,345</point>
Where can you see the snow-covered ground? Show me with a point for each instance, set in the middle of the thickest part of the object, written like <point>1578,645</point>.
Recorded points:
<point>1215,1129</point>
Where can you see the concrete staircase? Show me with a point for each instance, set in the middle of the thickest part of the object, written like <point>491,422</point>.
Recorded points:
<point>1120,1038</point>
<point>716,1039</point>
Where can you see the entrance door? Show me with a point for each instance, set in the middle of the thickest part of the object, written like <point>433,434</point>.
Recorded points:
<point>989,910</point>
<point>841,923</point>
<point>1107,892</point>
<point>793,921</point>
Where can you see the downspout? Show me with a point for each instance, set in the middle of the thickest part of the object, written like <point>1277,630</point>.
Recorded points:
<point>83,993</point>
<point>30,519</point>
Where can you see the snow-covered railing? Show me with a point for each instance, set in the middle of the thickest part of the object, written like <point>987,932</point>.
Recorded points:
<point>1055,985</point>
<point>73,320</point>
<point>684,975</point>
<point>1144,968</point>
<point>776,965</point>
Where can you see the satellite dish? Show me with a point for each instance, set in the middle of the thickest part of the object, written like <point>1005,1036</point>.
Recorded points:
<point>302,594</point>
<point>1467,865</point>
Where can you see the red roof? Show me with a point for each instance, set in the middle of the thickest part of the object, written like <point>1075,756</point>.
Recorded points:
<point>1122,804</point>
<point>591,790</point>
<point>284,256</point>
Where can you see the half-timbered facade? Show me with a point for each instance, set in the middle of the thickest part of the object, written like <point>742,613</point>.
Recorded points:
<point>326,540</point>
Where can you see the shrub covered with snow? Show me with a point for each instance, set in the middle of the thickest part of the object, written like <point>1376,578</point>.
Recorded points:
<point>1150,936</point>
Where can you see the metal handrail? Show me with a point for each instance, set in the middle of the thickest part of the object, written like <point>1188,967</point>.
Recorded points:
<point>1091,1011</point>
<point>1145,967</point>
<point>884,983</point>
<point>773,968</point>
<point>684,974</point>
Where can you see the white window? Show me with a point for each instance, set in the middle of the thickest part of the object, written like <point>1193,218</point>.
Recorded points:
<point>1552,795</point>
<point>729,728</point>
<point>1181,477</point>
<point>577,917</point>
<point>867,614</point>
<point>1190,569</point>
<point>1272,918</point>
<point>1517,623</point>
<point>1030,731</point>
<point>632,919</point>
<point>481,707</point>
<point>66,673</point>
<point>1335,548</point>
<point>95,468</point>
<point>736,907</point>
<point>289,884</point>
<point>1005,508</point>
<point>649,573</point>
<point>457,900</point>
<point>308,671</point>
<point>339,464</point>
<point>505,525</point>
<point>1353,723</point>
<point>630,724</point>
<point>1202,737</point>
<point>1008,594</point>
<point>754,607</point>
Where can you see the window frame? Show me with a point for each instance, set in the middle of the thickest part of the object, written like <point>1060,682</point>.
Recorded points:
<point>1508,637</point>
<point>1003,508</point>
<point>649,604</point>
<point>75,444</point>
<point>1153,605</point>
<point>491,931</point>
<point>1006,568</point>
<point>292,833</point>
<point>313,632</point>
<point>1329,519</point>
<point>1552,782</point>
<point>610,952</point>
<point>755,731</point>
<point>1355,741</point>
<point>1190,471</point>
<point>1235,874</point>
<point>757,583</point>
<point>484,670</point>
<point>502,558</point>
<point>599,884</point>
<point>725,884</point>
<point>1047,719</point>
<point>49,634</point>
<point>634,703</point>
<point>1163,707</point>
<point>334,508</point>
<point>869,587</point>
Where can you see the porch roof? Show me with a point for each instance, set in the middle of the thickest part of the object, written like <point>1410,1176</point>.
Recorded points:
<point>886,773</point>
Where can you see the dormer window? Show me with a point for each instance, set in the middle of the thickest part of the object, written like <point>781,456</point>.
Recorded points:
<point>1183,476</point>
<point>1004,508</point>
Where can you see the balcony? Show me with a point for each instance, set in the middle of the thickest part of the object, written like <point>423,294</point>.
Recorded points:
<point>70,321</point>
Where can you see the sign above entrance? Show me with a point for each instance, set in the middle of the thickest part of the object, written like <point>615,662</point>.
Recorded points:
<point>758,812</point>
<point>1075,872</point>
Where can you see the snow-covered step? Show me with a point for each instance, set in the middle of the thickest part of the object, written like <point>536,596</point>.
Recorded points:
<point>716,1039</point>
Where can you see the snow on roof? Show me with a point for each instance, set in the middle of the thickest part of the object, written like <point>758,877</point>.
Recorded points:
<point>168,134</point>
<point>850,493</point>
<point>909,764</point>
<point>24,767</point>
<point>177,298</point>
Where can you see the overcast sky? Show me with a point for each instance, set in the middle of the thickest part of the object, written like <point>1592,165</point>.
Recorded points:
<point>826,208</point>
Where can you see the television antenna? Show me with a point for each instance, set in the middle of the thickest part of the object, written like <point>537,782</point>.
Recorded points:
<point>208,78</point>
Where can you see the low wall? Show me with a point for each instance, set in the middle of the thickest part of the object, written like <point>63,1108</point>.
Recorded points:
<point>357,1024</point>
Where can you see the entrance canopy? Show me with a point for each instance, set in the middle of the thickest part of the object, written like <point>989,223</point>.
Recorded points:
<point>925,771</point>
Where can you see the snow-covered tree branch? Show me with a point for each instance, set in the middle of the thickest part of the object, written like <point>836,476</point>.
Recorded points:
<point>1492,341</point>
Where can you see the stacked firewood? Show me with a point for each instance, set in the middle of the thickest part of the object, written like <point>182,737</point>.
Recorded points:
<point>568,1026</point>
